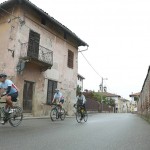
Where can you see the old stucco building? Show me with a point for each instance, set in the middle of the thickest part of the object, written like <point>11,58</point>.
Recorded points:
<point>39,54</point>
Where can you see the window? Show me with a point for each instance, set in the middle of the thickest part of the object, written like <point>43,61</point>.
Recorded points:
<point>70,59</point>
<point>33,44</point>
<point>52,85</point>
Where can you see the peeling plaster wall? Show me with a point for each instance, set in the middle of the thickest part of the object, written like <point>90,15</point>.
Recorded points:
<point>16,32</point>
<point>8,51</point>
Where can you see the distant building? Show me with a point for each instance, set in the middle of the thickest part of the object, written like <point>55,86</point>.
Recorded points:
<point>134,101</point>
<point>80,81</point>
<point>113,96</point>
<point>124,105</point>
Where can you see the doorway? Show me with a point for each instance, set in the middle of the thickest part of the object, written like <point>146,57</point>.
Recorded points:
<point>28,96</point>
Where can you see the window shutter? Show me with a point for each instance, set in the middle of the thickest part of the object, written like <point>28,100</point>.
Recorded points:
<point>70,59</point>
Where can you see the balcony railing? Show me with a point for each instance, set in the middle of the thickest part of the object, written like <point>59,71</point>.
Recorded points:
<point>37,53</point>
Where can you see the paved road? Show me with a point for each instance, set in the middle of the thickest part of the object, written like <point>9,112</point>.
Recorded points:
<point>101,132</point>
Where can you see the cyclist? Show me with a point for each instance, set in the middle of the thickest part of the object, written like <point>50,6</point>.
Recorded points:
<point>58,98</point>
<point>9,90</point>
<point>81,102</point>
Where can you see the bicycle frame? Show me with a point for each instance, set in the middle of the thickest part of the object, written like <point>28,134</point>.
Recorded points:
<point>56,106</point>
<point>56,112</point>
<point>14,118</point>
<point>79,108</point>
<point>81,113</point>
<point>2,111</point>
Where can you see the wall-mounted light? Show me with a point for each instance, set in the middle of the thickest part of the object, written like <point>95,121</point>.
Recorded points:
<point>12,52</point>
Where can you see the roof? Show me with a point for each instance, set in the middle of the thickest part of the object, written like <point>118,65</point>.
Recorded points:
<point>135,94</point>
<point>109,94</point>
<point>46,15</point>
<point>81,76</point>
<point>124,100</point>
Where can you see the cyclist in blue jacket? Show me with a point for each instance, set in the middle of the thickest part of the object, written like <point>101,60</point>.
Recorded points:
<point>8,89</point>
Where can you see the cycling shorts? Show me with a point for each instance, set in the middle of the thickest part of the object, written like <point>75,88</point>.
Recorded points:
<point>13,96</point>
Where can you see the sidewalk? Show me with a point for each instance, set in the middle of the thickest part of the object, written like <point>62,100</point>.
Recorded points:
<point>30,116</point>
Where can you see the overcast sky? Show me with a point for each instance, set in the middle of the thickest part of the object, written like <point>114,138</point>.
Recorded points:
<point>118,34</point>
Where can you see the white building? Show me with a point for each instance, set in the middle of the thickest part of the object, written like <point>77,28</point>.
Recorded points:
<point>114,97</point>
<point>134,100</point>
<point>124,105</point>
<point>80,81</point>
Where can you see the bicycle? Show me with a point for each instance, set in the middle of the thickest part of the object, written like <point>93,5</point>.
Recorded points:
<point>57,112</point>
<point>14,118</point>
<point>81,113</point>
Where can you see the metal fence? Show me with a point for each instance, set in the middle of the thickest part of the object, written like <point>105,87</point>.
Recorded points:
<point>36,52</point>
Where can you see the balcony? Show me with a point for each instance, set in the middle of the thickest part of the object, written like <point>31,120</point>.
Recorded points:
<point>37,54</point>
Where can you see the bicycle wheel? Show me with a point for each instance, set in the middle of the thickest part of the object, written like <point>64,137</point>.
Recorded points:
<point>54,114</point>
<point>62,114</point>
<point>85,116</point>
<point>78,117</point>
<point>16,116</point>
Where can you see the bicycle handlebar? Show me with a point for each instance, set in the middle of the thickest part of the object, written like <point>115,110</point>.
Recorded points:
<point>2,102</point>
<point>54,104</point>
<point>80,106</point>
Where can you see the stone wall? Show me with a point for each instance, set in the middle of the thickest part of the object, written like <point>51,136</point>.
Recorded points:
<point>144,102</point>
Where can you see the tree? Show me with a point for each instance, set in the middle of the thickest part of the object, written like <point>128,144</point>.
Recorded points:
<point>100,98</point>
<point>111,102</point>
<point>136,98</point>
<point>78,89</point>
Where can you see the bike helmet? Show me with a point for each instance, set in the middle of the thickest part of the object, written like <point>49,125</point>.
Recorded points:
<point>3,75</point>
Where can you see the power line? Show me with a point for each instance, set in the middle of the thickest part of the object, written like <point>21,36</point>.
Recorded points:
<point>91,65</point>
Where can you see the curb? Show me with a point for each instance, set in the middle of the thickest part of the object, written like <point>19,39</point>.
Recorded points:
<point>42,117</point>
<point>26,117</point>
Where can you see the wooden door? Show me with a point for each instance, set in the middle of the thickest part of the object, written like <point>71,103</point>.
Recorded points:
<point>28,96</point>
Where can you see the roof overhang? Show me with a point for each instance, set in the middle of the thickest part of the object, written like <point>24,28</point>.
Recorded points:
<point>46,15</point>
<point>81,76</point>
<point>109,94</point>
<point>135,95</point>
